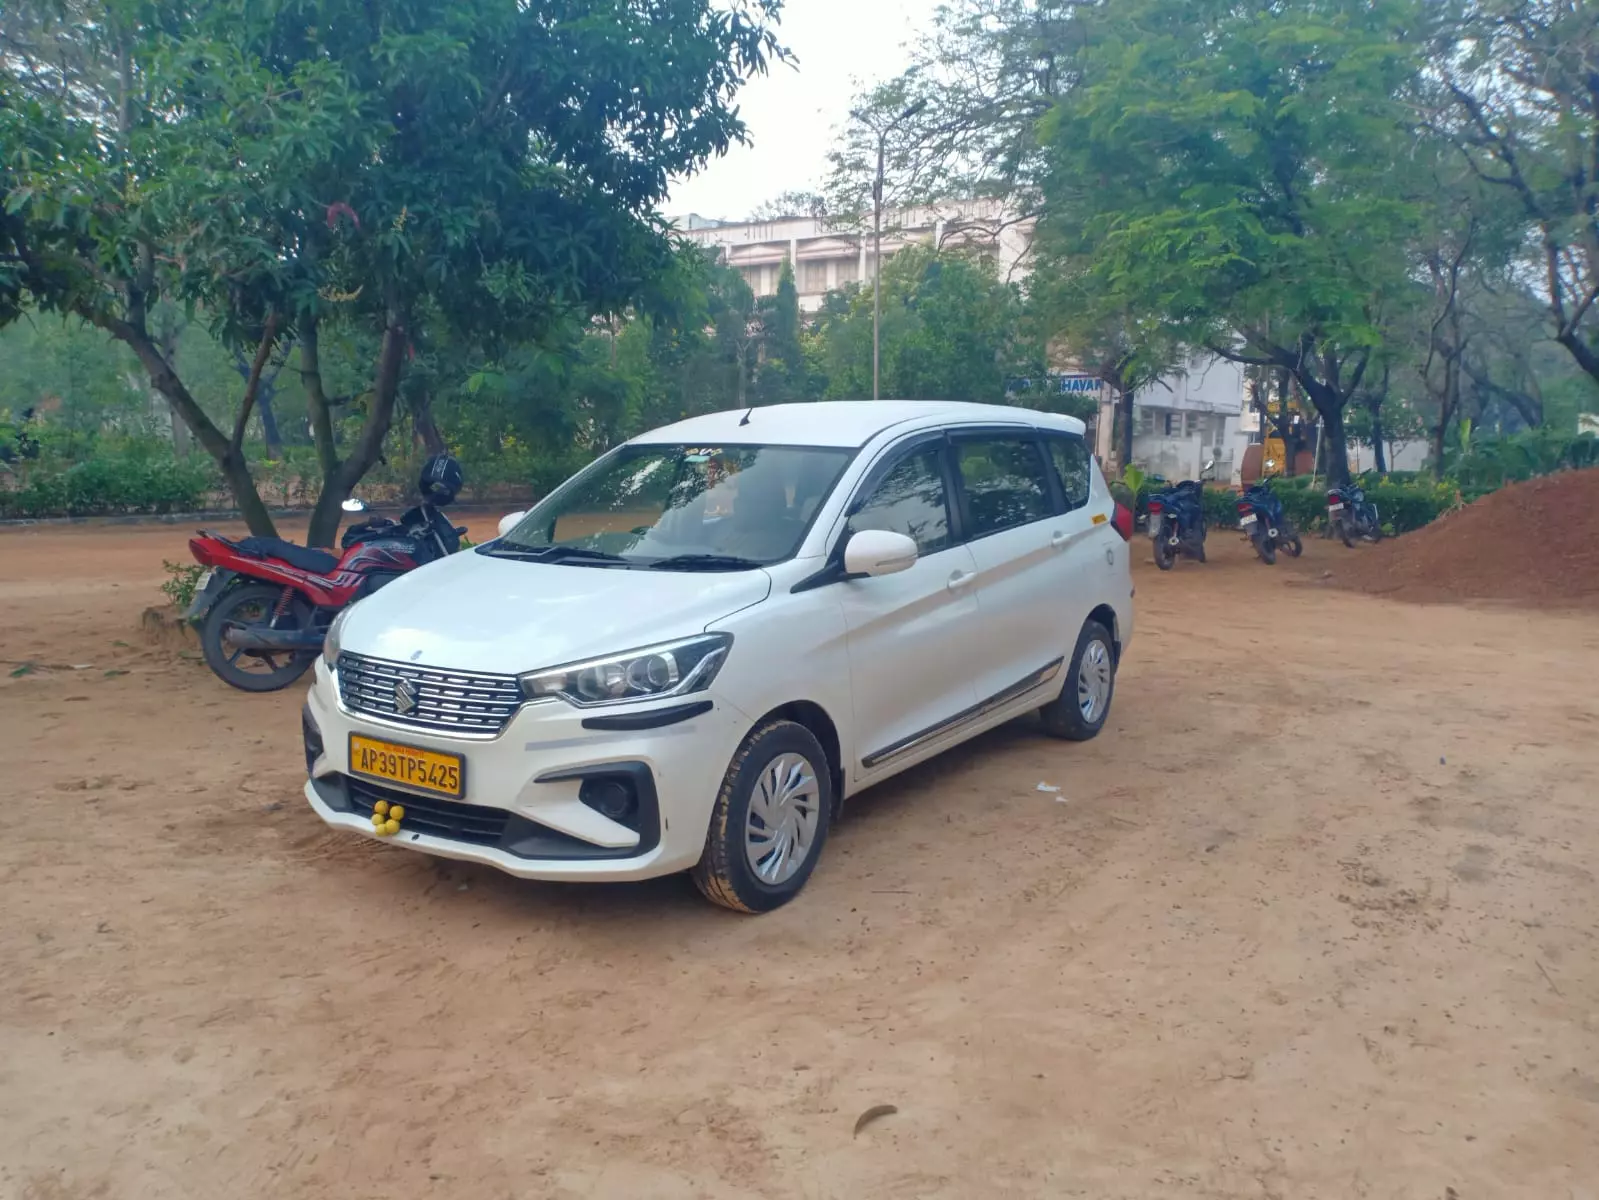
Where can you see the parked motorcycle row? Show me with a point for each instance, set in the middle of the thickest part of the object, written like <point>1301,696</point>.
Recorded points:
<point>1177,526</point>
<point>264,605</point>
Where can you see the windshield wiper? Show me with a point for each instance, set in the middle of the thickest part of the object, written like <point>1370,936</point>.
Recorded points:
<point>553,554</point>
<point>703,562</point>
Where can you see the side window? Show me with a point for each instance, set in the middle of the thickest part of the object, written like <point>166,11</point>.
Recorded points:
<point>910,500</point>
<point>1005,481</point>
<point>1070,456</point>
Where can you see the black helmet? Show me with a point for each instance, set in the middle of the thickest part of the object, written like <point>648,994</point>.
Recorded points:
<point>441,479</point>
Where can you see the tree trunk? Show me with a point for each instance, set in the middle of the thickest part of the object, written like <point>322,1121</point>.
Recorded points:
<point>269,422</point>
<point>338,482</point>
<point>1376,439</point>
<point>426,428</point>
<point>1330,402</point>
<point>1126,407</point>
<point>235,470</point>
<point>1337,456</point>
<point>318,412</point>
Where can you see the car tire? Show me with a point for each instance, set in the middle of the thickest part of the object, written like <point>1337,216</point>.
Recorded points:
<point>780,763</point>
<point>1092,672</point>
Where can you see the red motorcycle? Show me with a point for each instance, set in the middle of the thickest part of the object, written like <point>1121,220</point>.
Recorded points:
<point>264,604</point>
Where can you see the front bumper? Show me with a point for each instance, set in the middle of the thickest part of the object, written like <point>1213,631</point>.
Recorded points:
<point>521,813</point>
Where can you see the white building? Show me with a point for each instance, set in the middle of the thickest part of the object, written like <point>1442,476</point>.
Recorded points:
<point>1184,420</point>
<point>826,256</point>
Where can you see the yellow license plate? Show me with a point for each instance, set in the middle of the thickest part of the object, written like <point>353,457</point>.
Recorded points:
<point>419,770</point>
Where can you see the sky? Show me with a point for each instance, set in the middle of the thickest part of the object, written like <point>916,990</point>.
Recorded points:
<point>792,114</point>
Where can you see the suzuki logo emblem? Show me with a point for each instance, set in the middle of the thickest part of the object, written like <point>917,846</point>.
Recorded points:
<point>404,698</point>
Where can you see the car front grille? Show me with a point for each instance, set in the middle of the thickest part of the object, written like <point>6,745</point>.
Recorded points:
<point>460,702</point>
<point>437,818</point>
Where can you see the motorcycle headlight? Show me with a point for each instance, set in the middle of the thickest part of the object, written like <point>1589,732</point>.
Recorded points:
<point>671,669</point>
<point>330,644</point>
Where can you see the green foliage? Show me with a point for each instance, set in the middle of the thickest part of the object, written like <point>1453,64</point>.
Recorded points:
<point>302,170</point>
<point>182,580</point>
<point>1226,174</point>
<point>1404,507</point>
<point>1482,464</point>
<point>128,478</point>
<point>951,330</point>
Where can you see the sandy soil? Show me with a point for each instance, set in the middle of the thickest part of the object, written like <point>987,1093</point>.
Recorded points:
<point>1313,918</point>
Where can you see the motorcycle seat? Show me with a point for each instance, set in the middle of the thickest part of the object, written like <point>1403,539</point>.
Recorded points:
<point>303,558</point>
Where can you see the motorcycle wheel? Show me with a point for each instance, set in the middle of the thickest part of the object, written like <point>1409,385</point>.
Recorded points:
<point>255,670</point>
<point>1344,534</point>
<point>1264,548</point>
<point>1164,558</point>
<point>1199,551</point>
<point>1294,546</point>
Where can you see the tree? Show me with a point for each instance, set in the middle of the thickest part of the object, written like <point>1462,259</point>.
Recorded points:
<point>298,168</point>
<point>951,330</point>
<point>1232,169</point>
<point>976,88</point>
<point>783,374</point>
<point>1094,329</point>
<point>1519,100</point>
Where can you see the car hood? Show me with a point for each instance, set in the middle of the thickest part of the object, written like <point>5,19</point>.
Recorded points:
<point>471,612</point>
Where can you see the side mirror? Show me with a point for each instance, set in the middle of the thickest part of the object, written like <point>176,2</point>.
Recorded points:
<point>510,521</point>
<point>879,552</point>
<point>352,505</point>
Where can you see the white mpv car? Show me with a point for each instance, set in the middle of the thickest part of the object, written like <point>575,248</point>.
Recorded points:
<point>690,653</point>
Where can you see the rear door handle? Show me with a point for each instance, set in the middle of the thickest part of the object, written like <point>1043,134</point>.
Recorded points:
<point>960,579</point>
<point>1059,539</point>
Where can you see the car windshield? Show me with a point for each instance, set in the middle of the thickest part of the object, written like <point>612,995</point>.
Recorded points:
<point>670,507</point>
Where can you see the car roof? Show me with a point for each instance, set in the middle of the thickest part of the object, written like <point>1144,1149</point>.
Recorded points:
<point>850,423</point>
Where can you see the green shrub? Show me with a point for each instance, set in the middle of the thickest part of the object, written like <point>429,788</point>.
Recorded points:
<point>1305,506</point>
<point>1403,507</point>
<point>1484,463</point>
<point>119,482</point>
<point>181,581</point>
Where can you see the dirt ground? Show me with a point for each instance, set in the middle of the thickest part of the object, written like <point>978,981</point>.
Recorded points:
<point>1315,917</point>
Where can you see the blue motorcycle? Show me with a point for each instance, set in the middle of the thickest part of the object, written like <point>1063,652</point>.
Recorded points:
<point>1266,525</point>
<point>1176,523</point>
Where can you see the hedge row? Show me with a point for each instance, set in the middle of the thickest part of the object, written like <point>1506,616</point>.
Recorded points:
<point>137,478</point>
<point>111,485</point>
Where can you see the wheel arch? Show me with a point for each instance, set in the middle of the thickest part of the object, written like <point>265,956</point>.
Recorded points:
<point>815,718</point>
<point>1106,616</point>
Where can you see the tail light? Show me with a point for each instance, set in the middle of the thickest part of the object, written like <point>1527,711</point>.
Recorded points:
<point>1123,521</point>
<point>1156,506</point>
<point>1245,506</point>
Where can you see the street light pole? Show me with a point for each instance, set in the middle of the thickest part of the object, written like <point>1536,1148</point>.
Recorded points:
<point>877,264</point>
<point>877,244</point>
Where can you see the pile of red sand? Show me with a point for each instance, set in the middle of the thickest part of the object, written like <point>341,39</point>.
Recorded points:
<point>1535,542</point>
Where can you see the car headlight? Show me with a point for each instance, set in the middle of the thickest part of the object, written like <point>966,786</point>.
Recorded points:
<point>330,644</point>
<point>671,669</point>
